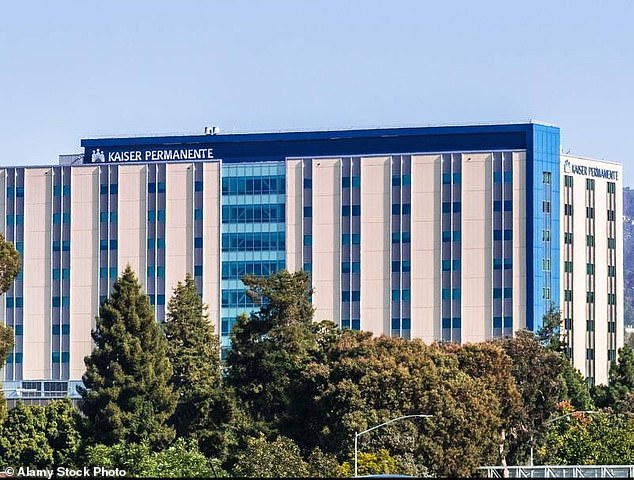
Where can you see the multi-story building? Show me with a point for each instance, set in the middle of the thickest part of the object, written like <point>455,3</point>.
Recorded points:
<point>444,233</point>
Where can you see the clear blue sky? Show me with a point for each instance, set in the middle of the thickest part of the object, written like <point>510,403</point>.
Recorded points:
<point>76,69</point>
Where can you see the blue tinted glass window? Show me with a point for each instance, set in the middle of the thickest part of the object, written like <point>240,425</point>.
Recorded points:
<point>56,274</point>
<point>345,239</point>
<point>356,267</point>
<point>57,190</point>
<point>446,178</point>
<point>308,267</point>
<point>497,322</point>
<point>446,265</point>
<point>457,177</point>
<point>406,237</point>
<point>497,177</point>
<point>446,207</point>
<point>356,210</point>
<point>446,236</point>
<point>65,329</point>
<point>308,212</point>
<point>446,322</point>
<point>160,188</point>
<point>407,209</point>
<point>55,357</point>
<point>508,234</point>
<point>160,299</point>
<point>18,330</point>
<point>356,324</point>
<point>508,177</point>
<point>407,180</point>
<point>114,188</point>
<point>396,209</point>
<point>198,186</point>
<point>103,217</point>
<point>457,236</point>
<point>396,295</point>
<point>150,243</point>
<point>497,234</point>
<point>508,292</point>
<point>308,183</point>
<point>345,296</point>
<point>457,265</point>
<point>456,322</point>
<point>345,267</point>
<point>56,301</point>
<point>66,245</point>
<point>160,243</point>
<point>345,210</point>
<point>457,207</point>
<point>406,295</point>
<point>114,217</point>
<point>198,270</point>
<point>113,272</point>
<point>396,237</point>
<point>151,215</point>
<point>508,205</point>
<point>160,215</point>
<point>497,263</point>
<point>508,263</point>
<point>396,323</point>
<point>198,242</point>
<point>66,190</point>
<point>104,189</point>
<point>114,244</point>
<point>308,240</point>
<point>356,238</point>
<point>446,294</point>
<point>396,180</point>
<point>356,182</point>
<point>198,214</point>
<point>160,271</point>
<point>508,322</point>
<point>65,357</point>
<point>103,272</point>
<point>103,244</point>
<point>455,294</point>
<point>56,245</point>
<point>151,187</point>
<point>65,301</point>
<point>19,192</point>
<point>356,295</point>
<point>406,265</point>
<point>396,266</point>
<point>497,205</point>
<point>345,182</point>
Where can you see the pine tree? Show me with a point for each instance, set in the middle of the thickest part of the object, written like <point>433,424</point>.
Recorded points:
<point>127,396</point>
<point>194,350</point>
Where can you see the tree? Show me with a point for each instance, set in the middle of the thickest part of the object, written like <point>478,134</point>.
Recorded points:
<point>620,383</point>
<point>273,354</point>
<point>280,458</point>
<point>23,440</point>
<point>127,396</point>
<point>194,350</point>
<point>549,334</point>
<point>181,459</point>
<point>9,269</point>
<point>9,264</point>
<point>537,371</point>
<point>62,431</point>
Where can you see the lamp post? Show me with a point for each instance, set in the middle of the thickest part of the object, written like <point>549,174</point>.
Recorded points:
<point>554,420</point>
<point>358,434</point>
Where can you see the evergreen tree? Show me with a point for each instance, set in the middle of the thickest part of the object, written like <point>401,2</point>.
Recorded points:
<point>620,390</point>
<point>194,350</point>
<point>127,396</point>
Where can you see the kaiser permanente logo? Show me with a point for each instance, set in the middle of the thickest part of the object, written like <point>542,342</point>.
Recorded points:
<point>98,156</point>
<point>590,171</point>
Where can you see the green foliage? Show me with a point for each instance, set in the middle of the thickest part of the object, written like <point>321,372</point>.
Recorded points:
<point>322,465</point>
<point>23,440</point>
<point>41,436</point>
<point>371,463</point>
<point>9,264</point>
<point>261,458</point>
<point>577,390</point>
<point>127,395</point>
<point>372,380</point>
<point>595,439</point>
<point>537,372</point>
<point>194,350</point>
<point>62,431</point>
<point>621,381</point>
<point>274,355</point>
<point>6,345</point>
<point>549,334</point>
<point>181,460</point>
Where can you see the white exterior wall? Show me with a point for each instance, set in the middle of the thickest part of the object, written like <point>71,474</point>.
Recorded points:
<point>582,340</point>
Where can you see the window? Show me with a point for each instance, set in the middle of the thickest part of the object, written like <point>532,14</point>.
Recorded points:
<point>198,186</point>
<point>114,188</point>
<point>446,265</point>
<point>611,271</point>
<point>568,295</point>
<point>568,238</point>
<point>114,244</point>
<point>457,207</point>
<point>446,207</point>
<point>589,297</point>
<point>589,354</point>
<point>611,215</point>
<point>356,238</point>
<point>589,184</point>
<point>160,187</point>
<point>611,243</point>
<point>308,240</point>
<point>508,177</point>
<point>198,270</point>
<point>568,267</point>
<point>611,187</point>
<point>546,177</point>
<point>508,292</point>
<point>345,239</point>
<point>446,236</point>
<point>308,267</point>
<point>407,180</point>
<point>590,325</point>
<point>590,268</point>
<point>567,209</point>
<point>589,240</point>
<point>455,293</point>
<point>308,212</point>
<point>407,209</point>
<point>546,264</point>
<point>308,183</point>
<point>546,206</point>
<point>568,180</point>
<point>546,235</point>
<point>198,214</point>
<point>160,243</point>
<point>198,242</point>
<point>611,299</point>
<point>406,237</point>
<point>546,293</point>
<point>456,265</point>
<point>446,178</point>
<point>589,212</point>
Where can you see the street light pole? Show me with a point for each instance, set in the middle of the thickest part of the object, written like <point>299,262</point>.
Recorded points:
<point>358,434</point>
<point>554,420</point>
